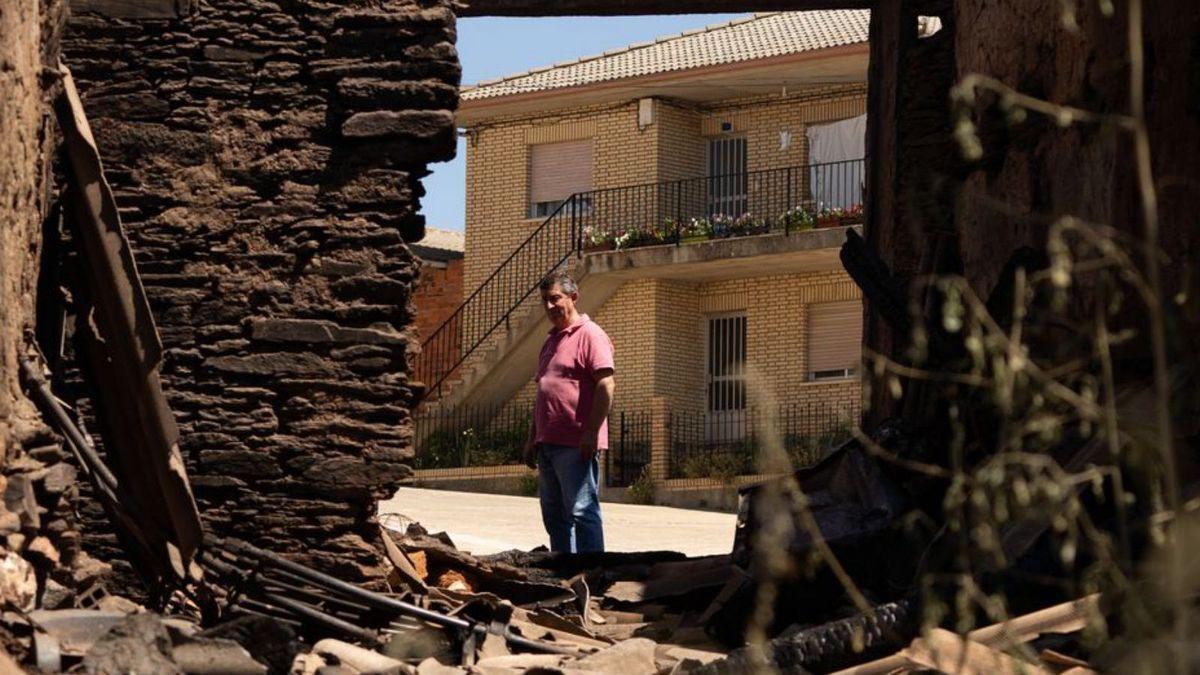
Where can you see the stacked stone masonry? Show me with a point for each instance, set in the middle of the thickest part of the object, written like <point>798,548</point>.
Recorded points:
<point>39,534</point>
<point>266,158</point>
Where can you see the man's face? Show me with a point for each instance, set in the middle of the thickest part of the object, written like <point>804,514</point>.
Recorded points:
<point>559,306</point>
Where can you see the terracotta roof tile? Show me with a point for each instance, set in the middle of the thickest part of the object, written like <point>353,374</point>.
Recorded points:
<point>441,240</point>
<point>752,37</point>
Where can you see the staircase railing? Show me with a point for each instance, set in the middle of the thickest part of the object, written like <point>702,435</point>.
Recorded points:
<point>664,212</point>
<point>493,303</point>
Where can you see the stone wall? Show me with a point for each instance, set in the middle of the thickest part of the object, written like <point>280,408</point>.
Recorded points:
<point>266,157</point>
<point>23,141</point>
<point>38,530</point>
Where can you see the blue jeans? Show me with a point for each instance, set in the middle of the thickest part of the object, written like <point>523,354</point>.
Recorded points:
<point>570,495</point>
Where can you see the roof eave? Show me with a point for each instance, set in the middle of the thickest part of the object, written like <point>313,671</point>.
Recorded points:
<point>473,111</point>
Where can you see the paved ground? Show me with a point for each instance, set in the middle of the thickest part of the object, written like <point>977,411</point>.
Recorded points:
<point>486,524</point>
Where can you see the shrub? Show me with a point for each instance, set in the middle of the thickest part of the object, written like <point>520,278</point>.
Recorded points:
<point>440,450</point>
<point>723,466</point>
<point>495,446</point>
<point>527,485</point>
<point>641,491</point>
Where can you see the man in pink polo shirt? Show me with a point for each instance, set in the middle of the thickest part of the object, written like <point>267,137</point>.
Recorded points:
<point>570,419</point>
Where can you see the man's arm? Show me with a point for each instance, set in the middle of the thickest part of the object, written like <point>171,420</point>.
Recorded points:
<point>601,406</point>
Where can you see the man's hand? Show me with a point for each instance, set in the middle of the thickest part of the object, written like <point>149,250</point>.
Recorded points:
<point>529,452</point>
<point>587,446</point>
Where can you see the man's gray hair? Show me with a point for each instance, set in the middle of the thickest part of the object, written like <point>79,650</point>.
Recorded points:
<point>561,279</point>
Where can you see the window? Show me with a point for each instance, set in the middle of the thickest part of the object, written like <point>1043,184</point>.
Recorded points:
<point>727,176</point>
<point>834,340</point>
<point>726,368</point>
<point>557,171</point>
<point>835,153</point>
<point>583,205</point>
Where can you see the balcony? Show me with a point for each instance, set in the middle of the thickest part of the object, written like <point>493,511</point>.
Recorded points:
<point>783,201</point>
<point>758,223</point>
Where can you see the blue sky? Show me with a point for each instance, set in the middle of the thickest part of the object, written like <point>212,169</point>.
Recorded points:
<point>494,47</point>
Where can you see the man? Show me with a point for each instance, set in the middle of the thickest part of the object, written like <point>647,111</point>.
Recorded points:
<point>570,419</point>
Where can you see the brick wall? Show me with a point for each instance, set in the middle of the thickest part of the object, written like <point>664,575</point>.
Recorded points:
<point>658,331</point>
<point>438,293</point>
<point>656,324</point>
<point>498,174</point>
<point>672,147</point>
<point>761,119</point>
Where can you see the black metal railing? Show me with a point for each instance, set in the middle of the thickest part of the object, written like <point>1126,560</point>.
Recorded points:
<point>484,436</point>
<point>730,443</point>
<point>758,202</point>
<point>473,436</point>
<point>628,447</point>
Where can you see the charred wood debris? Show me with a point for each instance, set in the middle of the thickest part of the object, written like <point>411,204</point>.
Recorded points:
<point>827,572</point>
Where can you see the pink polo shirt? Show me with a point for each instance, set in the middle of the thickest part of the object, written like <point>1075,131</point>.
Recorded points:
<point>566,382</point>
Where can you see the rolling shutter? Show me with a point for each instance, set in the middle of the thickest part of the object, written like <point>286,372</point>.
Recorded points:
<point>558,170</point>
<point>834,338</point>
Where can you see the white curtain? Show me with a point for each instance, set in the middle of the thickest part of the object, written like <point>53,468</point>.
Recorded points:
<point>834,154</point>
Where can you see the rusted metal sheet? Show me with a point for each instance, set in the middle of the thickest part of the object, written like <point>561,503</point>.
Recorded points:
<point>119,349</point>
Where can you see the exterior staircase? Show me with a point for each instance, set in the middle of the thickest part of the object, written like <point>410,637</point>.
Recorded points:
<point>509,360</point>
<point>487,318</point>
<point>487,349</point>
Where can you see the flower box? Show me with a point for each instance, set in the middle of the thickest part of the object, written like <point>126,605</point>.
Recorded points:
<point>693,238</point>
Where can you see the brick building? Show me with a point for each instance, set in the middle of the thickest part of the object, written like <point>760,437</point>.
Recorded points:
<point>439,289</point>
<point>699,187</point>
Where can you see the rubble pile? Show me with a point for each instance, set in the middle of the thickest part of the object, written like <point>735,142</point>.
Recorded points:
<point>265,158</point>
<point>42,563</point>
<point>514,612</point>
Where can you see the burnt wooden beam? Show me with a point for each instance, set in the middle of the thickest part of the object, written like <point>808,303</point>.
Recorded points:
<point>468,8</point>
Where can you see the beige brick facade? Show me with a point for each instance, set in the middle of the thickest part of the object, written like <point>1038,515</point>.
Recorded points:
<point>658,326</point>
<point>672,147</point>
<point>658,331</point>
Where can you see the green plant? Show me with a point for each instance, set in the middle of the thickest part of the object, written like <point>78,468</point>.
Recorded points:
<point>439,450</point>
<point>804,450</point>
<point>725,467</point>
<point>696,227</point>
<point>641,491</point>
<point>722,466</point>
<point>748,224</point>
<point>798,218</point>
<point>495,446</point>
<point>527,485</point>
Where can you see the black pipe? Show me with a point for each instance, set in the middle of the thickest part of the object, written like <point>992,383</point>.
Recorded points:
<point>375,599</point>
<point>317,616</point>
<point>335,584</point>
<point>84,453</point>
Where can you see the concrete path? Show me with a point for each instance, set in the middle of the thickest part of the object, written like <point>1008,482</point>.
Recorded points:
<point>483,524</point>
